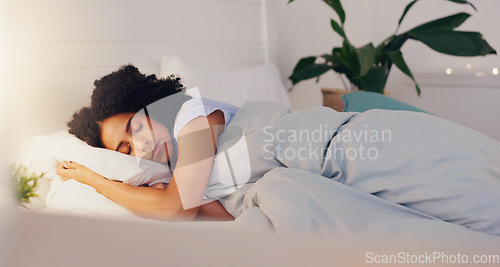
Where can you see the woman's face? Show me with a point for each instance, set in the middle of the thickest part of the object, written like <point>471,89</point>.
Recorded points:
<point>137,135</point>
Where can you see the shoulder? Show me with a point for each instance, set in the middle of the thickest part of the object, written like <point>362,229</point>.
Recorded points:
<point>203,107</point>
<point>201,131</point>
<point>203,122</point>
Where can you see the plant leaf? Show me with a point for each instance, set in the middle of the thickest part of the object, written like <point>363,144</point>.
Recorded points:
<point>339,63</point>
<point>397,42</point>
<point>379,50</point>
<point>443,24</point>
<point>410,5</point>
<point>336,27</point>
<point>309,72</point>
<point>345,63</point>
<point>374,80</point>
<point>366,58</point>
<point>304,63</point>
<point>346,56</point>
<point>464,2</point>
<point>455,43</point>
<point>332,60</point>
<point>24,183</point>
<point>329,58</point>
<point>337,6</point>
<point>398,60</point>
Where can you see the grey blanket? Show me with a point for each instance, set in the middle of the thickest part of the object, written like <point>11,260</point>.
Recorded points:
<point>379,172</point>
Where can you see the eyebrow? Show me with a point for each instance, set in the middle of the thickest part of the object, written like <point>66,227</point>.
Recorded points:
<point>127,129</point>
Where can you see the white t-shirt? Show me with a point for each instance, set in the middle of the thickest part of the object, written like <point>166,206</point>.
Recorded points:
<point>221,182</point>
<point>197,107</point>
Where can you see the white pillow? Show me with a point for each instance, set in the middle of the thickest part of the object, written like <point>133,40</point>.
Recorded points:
<point>230,85</point>
<point>43,154</point>
<point>73,196</point>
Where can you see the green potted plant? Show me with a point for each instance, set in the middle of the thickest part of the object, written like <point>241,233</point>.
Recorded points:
<point>25,184</point>
<point>368,67</point>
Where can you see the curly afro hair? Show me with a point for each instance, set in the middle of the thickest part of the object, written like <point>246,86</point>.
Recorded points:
<point>85,127</point>
<point>123,91</point>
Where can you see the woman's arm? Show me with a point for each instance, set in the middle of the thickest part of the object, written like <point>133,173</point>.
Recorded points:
<point>181,200</point>
<point>146,202</point>
<point>214,211</point>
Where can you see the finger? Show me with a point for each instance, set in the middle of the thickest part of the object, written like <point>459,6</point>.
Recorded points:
<point>69,165</point>
<point>61,171</point>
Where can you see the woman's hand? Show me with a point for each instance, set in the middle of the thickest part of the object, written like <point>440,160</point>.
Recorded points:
<point>80,173</point>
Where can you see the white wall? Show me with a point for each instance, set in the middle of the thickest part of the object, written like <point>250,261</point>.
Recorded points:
<point>304,29</point>
<point>62,46</point>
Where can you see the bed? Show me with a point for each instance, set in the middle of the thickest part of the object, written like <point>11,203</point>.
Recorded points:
<point>289,227</point>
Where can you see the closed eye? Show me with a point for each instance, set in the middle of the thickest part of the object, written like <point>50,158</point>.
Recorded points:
<point>129,149</point>
<point>138,129</point>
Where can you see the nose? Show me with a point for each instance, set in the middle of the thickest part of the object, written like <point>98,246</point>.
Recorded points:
<point>142,145</point>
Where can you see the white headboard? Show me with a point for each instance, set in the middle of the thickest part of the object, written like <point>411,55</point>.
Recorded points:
<point>62,46</point>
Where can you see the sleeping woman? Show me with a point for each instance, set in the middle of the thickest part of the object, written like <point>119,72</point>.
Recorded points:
<point>114,121</point>
<point>427,164</point>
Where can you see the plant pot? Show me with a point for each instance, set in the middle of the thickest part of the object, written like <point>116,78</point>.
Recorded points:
<point>332,98</point>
